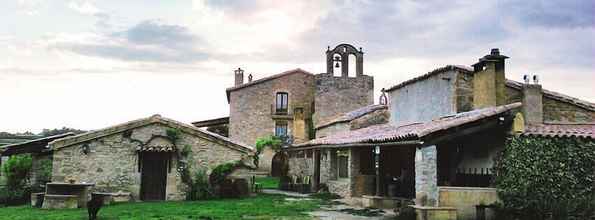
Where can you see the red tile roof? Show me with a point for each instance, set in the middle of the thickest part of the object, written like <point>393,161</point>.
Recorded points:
<point>560,130</point>
<point>392,133</point>
<point>350,116</point>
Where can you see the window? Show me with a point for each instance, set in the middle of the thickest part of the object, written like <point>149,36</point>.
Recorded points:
<point>281,103</point>
<point>281,129</point>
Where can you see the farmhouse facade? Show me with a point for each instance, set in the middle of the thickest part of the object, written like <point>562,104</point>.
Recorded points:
<point>440,149</point>
<point>292,103</point>
<point>140,158</point>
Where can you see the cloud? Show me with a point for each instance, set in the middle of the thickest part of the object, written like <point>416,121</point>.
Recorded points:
<point>148,41</point>
<point>30,7</point>
<point>557,14</point>
<point>84,7</point>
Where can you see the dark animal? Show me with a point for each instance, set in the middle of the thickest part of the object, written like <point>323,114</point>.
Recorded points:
<point>94,205</point>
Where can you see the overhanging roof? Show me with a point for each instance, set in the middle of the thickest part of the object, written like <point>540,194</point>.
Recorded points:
<point>32,146</point>
<point>211,122</point>
<point>410,132</point>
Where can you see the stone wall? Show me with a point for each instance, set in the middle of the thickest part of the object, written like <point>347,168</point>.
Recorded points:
<point>302,165</point>
<point>37,169</point>
<point>250,107</point>
<point>464,199</point>
<point>332,129</point>
<point>112,163</point>
<point>424,100</point>
<point>557,111</point>
<point>335,95</point>
<point>464,92</point>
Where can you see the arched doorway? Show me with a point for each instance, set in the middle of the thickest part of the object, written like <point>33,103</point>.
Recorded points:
<point>279,165</point>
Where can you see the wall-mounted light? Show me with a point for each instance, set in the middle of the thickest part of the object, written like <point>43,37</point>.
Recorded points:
<point>86,149</point>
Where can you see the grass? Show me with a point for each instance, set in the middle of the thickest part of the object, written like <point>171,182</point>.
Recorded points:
<point>268,182</point>
<point>259,207</point>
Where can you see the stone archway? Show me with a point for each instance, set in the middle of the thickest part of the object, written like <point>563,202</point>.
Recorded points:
<point>279,165</point>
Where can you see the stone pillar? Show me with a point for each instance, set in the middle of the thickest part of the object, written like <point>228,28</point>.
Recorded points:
<point>316,176</point>
<point>329,62</point>
<point>426,178</point>
<point>354,171</point>
<point>359,64</point>
<point>345,65</point>
<point>532,104</point>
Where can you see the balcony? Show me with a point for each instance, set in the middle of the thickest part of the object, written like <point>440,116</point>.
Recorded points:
<point>281,113</point>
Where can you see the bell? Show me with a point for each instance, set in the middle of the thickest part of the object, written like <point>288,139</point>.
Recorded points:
<point>337,65</point>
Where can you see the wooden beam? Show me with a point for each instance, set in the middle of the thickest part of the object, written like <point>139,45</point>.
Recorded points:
<point>387,144</point>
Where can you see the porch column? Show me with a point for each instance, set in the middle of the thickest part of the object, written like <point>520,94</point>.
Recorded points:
<point>377,168</point>
<point>426,187</point>
<point>316,176</point>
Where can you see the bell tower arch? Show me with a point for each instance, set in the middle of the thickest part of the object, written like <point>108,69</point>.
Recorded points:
<point>339,57</point>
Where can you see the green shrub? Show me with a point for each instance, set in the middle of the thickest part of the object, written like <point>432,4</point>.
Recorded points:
<point>200,189</point>
<point>173,134</point>
<point>546,177</point>
<point>220,172</point>
<point>17,169</point>
<point>17,189</point>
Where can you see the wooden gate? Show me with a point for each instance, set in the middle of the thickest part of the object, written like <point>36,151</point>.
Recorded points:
<point>153,175</point>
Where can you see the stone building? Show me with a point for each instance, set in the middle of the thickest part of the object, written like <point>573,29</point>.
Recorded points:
<point>434,143</point>
<point>292,103</point>
<point>142,157</point>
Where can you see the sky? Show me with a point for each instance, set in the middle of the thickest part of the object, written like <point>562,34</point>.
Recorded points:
<point>89,64</point>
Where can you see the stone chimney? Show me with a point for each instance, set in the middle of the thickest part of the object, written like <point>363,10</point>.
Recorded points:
<point>489,88</point>
<point>532,103</point>
<point>239,76</point>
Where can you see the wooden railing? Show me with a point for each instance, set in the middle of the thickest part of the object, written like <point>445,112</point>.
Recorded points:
<point>474,177</point>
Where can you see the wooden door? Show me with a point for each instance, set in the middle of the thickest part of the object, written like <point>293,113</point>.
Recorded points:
<point>153,176</point>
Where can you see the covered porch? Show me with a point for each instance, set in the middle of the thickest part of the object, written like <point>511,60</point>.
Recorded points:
<point>445,163</point>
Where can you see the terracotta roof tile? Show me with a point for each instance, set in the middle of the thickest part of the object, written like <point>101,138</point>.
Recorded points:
<point>350,116</point>
<point>560,130</point>
<point>392,133</point>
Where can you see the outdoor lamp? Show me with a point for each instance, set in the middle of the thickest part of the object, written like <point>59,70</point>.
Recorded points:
<point>86,149</point>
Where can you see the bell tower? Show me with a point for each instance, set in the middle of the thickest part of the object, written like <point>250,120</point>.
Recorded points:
<point>340,94</point>
<point>339,57</point>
